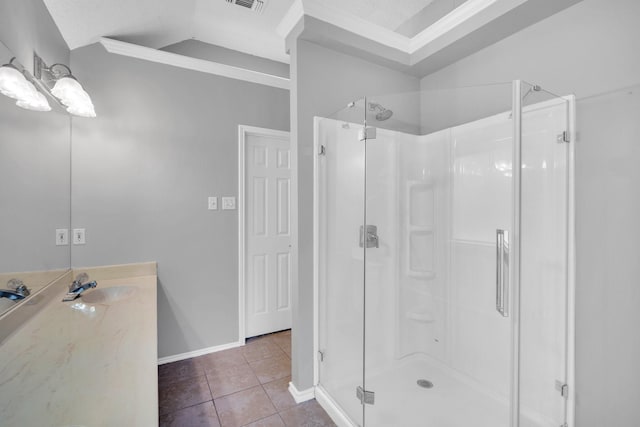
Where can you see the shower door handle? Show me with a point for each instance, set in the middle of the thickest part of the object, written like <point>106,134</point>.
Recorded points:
<point>502,272</point>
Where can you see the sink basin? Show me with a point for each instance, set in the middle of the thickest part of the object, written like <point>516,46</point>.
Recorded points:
<point>108,295</point>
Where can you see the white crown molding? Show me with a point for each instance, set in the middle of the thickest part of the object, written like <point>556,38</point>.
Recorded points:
<point>290,19</point>
<point>448,22</point>
<point>355,24</point>
<point>488,9</point>
<point>340,19</point>
<point>148,54</point>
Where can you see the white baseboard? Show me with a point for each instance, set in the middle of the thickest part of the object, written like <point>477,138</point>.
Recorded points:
<point>196,353</point>
<point>301,396</point>
<point>333,410</point>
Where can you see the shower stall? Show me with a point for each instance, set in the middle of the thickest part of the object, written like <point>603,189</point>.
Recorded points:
<point>444,259</point>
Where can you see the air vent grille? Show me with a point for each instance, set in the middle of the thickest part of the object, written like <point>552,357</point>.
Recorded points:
<point>245,3</point>
<point>255,5</point>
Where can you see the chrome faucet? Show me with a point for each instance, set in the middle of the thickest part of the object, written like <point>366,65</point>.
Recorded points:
<point>78,286</point>
<point>17,290</point>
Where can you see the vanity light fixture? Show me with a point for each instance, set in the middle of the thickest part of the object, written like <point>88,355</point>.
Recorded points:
<point>15,85</point>
<point>64,87</point>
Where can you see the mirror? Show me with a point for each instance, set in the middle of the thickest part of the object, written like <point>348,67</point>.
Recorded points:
<point>35,195</point>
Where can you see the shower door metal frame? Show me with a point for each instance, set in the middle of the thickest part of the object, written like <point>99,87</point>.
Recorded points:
<point>514,264</point>
<point>571,262</point>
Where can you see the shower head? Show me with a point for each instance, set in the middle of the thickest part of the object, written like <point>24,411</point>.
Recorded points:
<point>382,113</point>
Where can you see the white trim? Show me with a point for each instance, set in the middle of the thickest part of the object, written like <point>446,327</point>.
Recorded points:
<point>301,395</point>
<point>571,273</point>
<point>242,336</point>
<point>196,353</point>
<point>294,238</point>
<point>379,34</point>
<point>290,19</point>
<point>243,131</point>
<point>343,20</point>
<point>154,55</point>
<point>332,409</point>
<point>316,252</point>
<point>356,25</point>
<point>457,17</point>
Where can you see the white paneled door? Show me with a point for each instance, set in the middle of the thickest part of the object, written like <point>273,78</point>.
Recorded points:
<point>268,231</point>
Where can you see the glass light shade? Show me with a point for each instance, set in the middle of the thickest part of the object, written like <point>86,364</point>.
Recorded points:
<point>66,88</point>
<point>36,102</point>
<point>15,85</point>
<point>71,94</point>
<point>12,82</point>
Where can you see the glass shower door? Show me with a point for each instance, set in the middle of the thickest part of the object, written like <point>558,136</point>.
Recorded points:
<point>440,265</point>
<point>545,295</point>
<point>340,163</point>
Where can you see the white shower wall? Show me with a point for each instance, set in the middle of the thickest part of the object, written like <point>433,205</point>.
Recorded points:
<point>437,201</point>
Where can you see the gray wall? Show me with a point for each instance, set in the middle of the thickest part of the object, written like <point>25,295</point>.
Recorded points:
<point>34,150</point>
<point>608,235</point>
<point>34,188</point>
<point>591,48</point>
<point>587,49</point>
<point>166,138</point>
<point>27,27</point>
<point>323,81</point>
<point>209,52</point>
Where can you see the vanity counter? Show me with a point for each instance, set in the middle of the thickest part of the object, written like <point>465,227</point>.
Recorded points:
<point>81,364</point>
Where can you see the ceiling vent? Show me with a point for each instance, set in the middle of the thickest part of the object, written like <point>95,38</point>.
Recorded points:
<point>255,5</point>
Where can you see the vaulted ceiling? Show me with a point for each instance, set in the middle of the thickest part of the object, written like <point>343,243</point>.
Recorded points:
<point>158,23</point>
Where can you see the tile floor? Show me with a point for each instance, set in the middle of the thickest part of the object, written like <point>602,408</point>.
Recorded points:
<point>244,386</point>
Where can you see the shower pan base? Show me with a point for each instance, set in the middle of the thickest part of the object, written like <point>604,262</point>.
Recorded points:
<point>454,401</point>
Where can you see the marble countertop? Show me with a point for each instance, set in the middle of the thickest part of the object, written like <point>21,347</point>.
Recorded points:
<point>80,364</point>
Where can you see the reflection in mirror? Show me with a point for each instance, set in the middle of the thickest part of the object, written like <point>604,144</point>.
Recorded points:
<point>35,196</point>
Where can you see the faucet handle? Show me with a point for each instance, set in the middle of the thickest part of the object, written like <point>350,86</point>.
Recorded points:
<point>14,284</point>
<point>79,281</point>
<point>18,286</point>
<point>82,278</point>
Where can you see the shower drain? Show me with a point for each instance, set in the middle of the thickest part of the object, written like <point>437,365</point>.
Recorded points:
<point>425,383</point>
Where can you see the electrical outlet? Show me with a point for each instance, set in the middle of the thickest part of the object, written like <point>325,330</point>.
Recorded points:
<point>228,203</point>
<point>79,236</point>
<point>213,203</point>
<point>62,236</point>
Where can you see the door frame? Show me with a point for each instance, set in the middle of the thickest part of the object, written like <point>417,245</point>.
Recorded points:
<point>243,132</point>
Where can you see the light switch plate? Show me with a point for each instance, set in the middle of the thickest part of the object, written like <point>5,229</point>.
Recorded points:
<point>62,236</point>
<point>213,203</point>
<point>79,236</point>
<point>228,203</point>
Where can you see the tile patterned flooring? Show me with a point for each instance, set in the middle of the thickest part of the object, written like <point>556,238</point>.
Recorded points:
<point>244,386</point>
